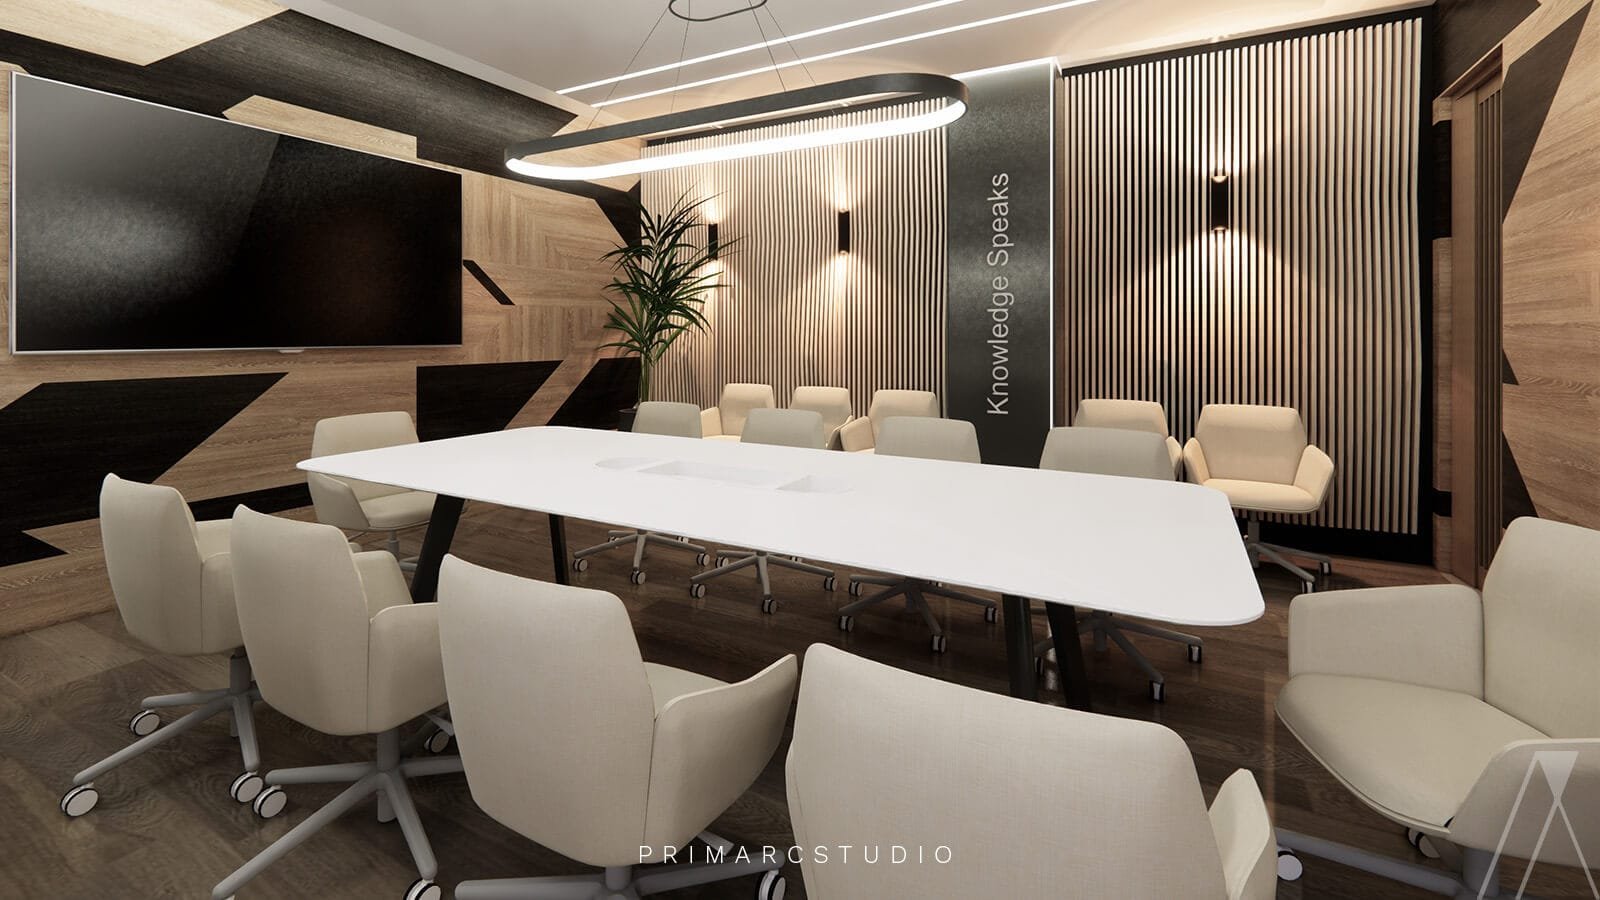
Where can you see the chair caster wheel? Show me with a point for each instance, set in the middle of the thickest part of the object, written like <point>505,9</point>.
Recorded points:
<point>270,802</point>
<point>580,565</point>
<point>1038,667</point>
<point>1422,843</point>
<point>938,644</point>
<point>855,589</point>
<point>847,624</point>
<point>636,576</point>
<point>772,887</point>
<point>1158,691</point>
<point>1289,866</point>
<point>769,604</point>
<point>697,591</point>
<point>438,741</point>
<point>721,561</point>
<point>423,889</point>
<point>829,583</point>
<point>246,787</point>
<point>701,559</point>
<point>1195,651</point>
<point>79,800</point>
<point>991,614</point>
<point>1324,568</point>
<point>144,722</point>
<point>1308,587</point>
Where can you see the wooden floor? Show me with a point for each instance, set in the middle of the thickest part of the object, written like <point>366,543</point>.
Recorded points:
<point>166,828</point>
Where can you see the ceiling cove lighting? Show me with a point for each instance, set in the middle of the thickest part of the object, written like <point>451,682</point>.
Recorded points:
<point>835,54</point>
<point>909,87</point>
<point>761,45</point>
<point>1221,204</point>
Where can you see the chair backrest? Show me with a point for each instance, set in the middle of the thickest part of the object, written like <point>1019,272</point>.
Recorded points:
<point>304,617</point>
<point>671,419</point>
<point>1107,451</point>
<point>1251,443</point>
<point>1028,799</point>
<point>832,402</point>
<point>1130,415</point>
<point>924,438</point>
<point>737,401</point>
<point>1541,627</point>
<point>153,561</point>
<point>785,427</point>
<point>889,403</point>
<point>363,431</point>
<point>560,752</point>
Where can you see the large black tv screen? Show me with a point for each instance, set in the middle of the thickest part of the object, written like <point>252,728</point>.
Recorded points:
<point>141,227</point>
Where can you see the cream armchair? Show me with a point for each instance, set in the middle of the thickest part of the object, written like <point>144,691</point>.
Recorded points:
<point>1461,716</point>
<point>362,506</point>
<point>1131,415</point>
<point>832,403</point>
<point>1259,457</point>
<point>338,646</point>
<point>594,753</point>
<point>725,421</point>
<point>1030,800</point>
<point>861,435</point>
<point>173,583</point>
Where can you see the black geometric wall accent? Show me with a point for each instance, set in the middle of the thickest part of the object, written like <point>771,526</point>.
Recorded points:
<point>611,386</point>
<point>61,439</point>
<point>495,291</point>
<point>472,399</point>
<point>1515,500</point>
<point>266,500</point>
<point>1508,375</point>
<point>1468,29</point>
<point>1530,87</point>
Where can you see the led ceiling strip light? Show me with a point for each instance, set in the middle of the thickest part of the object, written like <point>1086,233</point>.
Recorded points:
<point>908,87</point>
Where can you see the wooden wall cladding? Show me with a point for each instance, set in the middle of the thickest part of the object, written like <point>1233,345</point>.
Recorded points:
<point>231,425</point>
<point>794,311</point>
<point>1311,299</point>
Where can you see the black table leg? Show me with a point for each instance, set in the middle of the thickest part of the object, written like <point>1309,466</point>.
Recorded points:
<point>1069,653</point>
<point>435,544</point>
<point>1019,646</point>
<point>558,547</point>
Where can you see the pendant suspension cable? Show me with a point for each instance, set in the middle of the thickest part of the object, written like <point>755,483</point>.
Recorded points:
<point>789,42</point>
<point>782,85</point>
<point>629,67</point>
<point>683,52</point>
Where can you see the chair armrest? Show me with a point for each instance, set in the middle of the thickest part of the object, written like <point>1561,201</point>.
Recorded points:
<point>1245,839</point>
<point>856,434</point>
<point>1491,814</point>
<point>335,503</point>
<point>833,442</point>
<point>710,422</point>
<point>405,677</point>
<point>382,580</point>
<point>219,617</point>
<point>1429,635</point>
<point>1175,453</point>
<point>1315,473</point>
<point>1194,461</point>
<point>709,748</point>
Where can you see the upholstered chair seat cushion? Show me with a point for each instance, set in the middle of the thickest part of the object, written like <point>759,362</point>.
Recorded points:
<point>395,511</point>
<point>1265,496</point>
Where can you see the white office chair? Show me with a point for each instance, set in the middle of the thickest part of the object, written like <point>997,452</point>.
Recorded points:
<point>592,752</point>
<point>1126,454</point>
<point>1005,798</point>
<point>362,506</point>
<point>1259,457</point>
<point>1131,415</point>
<point>1468,718</point>
<point>861,435</point>
<point>725,421</point>
<point>654,417</point>
<point>951,440</point>
<point>834,405</point>
<point>338,646</point>
<point>784,428</point>
<point>173,585</point>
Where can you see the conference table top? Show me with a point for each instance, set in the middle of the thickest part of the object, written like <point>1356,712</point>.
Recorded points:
<point>1155,549</point>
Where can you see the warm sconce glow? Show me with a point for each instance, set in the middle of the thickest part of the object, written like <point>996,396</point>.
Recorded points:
<point>844,231</point>
<point>1221,203</point>
<point>712,245</point>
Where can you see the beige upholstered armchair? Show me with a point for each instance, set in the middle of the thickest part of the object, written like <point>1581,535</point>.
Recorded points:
<point>725,421</point>
<point>861,435</point>
<point>1131,415</point>
<point>1463,716</point>
<point>593,752</point>
<point>1259,457</point>
<point>1030,800</point>
<point>362,506</point>
<point>832,403</point>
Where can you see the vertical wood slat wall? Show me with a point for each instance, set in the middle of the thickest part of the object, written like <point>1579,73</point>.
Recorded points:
<point>1312,299</point>
<point>1488,375</point>
<point>793,311</point>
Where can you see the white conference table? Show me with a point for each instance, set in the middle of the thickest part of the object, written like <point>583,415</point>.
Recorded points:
<point>1158,550</point>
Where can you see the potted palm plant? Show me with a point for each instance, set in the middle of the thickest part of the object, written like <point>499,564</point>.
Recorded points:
<point>660,287</point>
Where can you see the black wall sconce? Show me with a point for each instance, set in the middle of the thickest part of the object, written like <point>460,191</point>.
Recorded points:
<point>1221,203</point>
<point>712,246</point>
<point>844,231</point>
